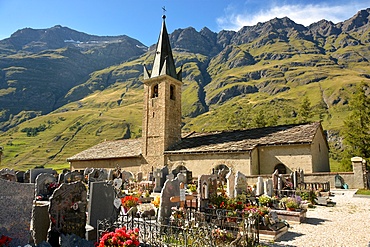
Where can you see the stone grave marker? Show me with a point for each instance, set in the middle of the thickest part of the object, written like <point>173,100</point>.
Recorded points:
<point>67,211</point>
<point>101,204</point>
<point>8,174</point>
<point>230,182</point>
<point>160,176</point>
<point>268,189</point>
<point>71,177</point>
<point>27,176</point>
<point>260,186</point>
<point>207,187</point>
<point>275,177</point>
<point>139,176</point>
<point>127,176</point>
<point>97,175</point>
<point>241,185</point>
<point>45,185</point>
<point>20,176</point>
<point>170,189</point>
<point>16,210</point>
<point>35,172</point>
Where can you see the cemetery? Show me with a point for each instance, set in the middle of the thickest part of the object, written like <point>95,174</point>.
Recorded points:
<point>163,208</point>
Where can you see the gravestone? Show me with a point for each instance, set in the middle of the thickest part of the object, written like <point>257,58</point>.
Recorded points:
<point>139,176</point>
<point>230,181</point>
<point>98,174</point>
<point>170,189</point>
<point>27,176</point>
<point>20,176</point>
<point>160,176</point>
<point>268,189</point>
<point>71,177</point>
<point>275,177</point>
<point>101,203</point>
<point>67,211</point>
<point>170,176</point>
<point>8,174</point>
<point>35,172</point>
<point>241,185</point>
<point>45,185</point>
<point>15,211</point>
<point>207,188</point>
<point>127,176</point>
<point>260,186</point>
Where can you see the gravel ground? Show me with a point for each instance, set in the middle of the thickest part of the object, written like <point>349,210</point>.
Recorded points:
<point>346,224</point>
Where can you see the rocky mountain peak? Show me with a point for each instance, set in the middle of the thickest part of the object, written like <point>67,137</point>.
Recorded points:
<point>360,20</point>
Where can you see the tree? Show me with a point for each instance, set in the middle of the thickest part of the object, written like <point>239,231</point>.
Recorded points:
<point>305,110</point>
<point>356,132</point>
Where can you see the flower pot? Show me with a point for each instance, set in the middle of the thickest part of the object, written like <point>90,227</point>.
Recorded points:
<point>291,209</point>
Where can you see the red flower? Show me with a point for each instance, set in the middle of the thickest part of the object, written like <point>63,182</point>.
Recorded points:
<point>5,240</point>
<point>120,237</point>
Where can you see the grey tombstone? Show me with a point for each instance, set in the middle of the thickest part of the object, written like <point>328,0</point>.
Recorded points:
<point>127,176</point>
<point>295,179</point>
<point>35,172</point>
<point>44,185</point>
<point>20,176</point>
<point>67,211</point>
<point>16,210</point>
<point>139,176</point>
<point>241,185</point>
<point>260,186</point>
<point>8,174</point>
<point>170,176</point>
<point>230,181</point>
<point>207,188</point>
<point>101,204</point>
<point>280,182</point>
<point>275,177</point>
<point>71,177</point>
<point>170,189</point>
<point>160,176</point>
<point>97,175</point>
<point>27,176</point>
<point>268,190</point>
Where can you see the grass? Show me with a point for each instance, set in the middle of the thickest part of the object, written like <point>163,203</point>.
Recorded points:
<point>363,192</point>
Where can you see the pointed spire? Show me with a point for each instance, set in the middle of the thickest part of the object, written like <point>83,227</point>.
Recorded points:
<point>163,60</point>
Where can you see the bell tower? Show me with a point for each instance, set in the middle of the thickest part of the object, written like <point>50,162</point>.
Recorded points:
<point>162,103</point>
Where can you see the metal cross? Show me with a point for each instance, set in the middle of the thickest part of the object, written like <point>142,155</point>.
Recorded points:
<point>164,10</point>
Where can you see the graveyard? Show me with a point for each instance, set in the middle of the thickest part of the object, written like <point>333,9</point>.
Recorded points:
<point>163,208</point>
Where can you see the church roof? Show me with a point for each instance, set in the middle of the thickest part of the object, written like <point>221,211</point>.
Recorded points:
<point>211,142</point>
<point>244,140</point>
<point>111,150</point>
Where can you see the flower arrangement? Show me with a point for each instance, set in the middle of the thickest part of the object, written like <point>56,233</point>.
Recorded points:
<point>129,201</point>
<point>293,202</point>
<point>5,241</point>
<point>192,188</point>
<point>264,200</point>
<point>256,211</point>
<point>120,237</point>
<point>221,236</point>
<point>156,202</point>
<point>177,214</point>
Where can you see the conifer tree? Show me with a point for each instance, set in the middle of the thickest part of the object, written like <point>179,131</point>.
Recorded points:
<point>305,110</point>
<point>356,130</point>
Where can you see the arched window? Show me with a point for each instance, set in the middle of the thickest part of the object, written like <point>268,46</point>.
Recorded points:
<point>155,91</point>
<point>281,168</point>
<point>172,92</point>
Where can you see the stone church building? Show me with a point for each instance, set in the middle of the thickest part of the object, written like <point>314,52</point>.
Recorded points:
<point>252,152</point>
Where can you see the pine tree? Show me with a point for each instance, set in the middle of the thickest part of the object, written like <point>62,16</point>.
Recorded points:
<point>305,110</point>
<point>356,130</point>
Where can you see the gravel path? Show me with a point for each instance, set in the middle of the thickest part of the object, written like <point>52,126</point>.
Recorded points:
<point>346,224</point>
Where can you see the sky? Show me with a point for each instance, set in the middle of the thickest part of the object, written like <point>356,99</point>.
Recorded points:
<point>141,19</point>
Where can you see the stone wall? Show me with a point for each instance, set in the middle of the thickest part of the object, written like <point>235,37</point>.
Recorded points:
<point>132,164</point>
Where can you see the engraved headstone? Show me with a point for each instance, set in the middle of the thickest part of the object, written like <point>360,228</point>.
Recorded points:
<point>67,211</point>
<point>207,188</point>
<point>160,176</point>
<point>101,203</point>
<point>15,210</point>
<point>230,181</point>
<point>139,176</point>
<point>8,174</point>
<point>45,185</point>
<point>260,188</point>
<point>35,172</point>
<point>71,177</point>
<point>170,189</point>
<point>241,185</point>
<point>20,176</point>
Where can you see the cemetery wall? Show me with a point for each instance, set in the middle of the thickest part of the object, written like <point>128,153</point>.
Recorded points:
<point>293,158</point>
<point>201,164</point>
<point>133,164</point>
<point>320,153</point>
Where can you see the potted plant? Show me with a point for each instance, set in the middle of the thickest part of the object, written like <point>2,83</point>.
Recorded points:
<point>265,200</point>
<point>291,204</point>
<point>129,202</point>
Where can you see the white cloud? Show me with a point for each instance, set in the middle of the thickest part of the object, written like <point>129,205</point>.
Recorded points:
<point>301,14</point>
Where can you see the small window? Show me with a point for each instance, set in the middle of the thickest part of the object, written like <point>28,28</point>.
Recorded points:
<point>155,91</point>
<point>172,92</point>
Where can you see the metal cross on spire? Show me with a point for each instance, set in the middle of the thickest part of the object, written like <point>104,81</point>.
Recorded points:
<point>164,10</point>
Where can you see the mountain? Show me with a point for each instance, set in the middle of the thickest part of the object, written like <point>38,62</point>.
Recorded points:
<point>66,90</point>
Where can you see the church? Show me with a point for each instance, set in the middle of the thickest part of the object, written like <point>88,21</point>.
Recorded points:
<point>252,152</point>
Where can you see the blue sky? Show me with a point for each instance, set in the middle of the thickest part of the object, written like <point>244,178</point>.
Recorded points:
<point>142,19</point>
